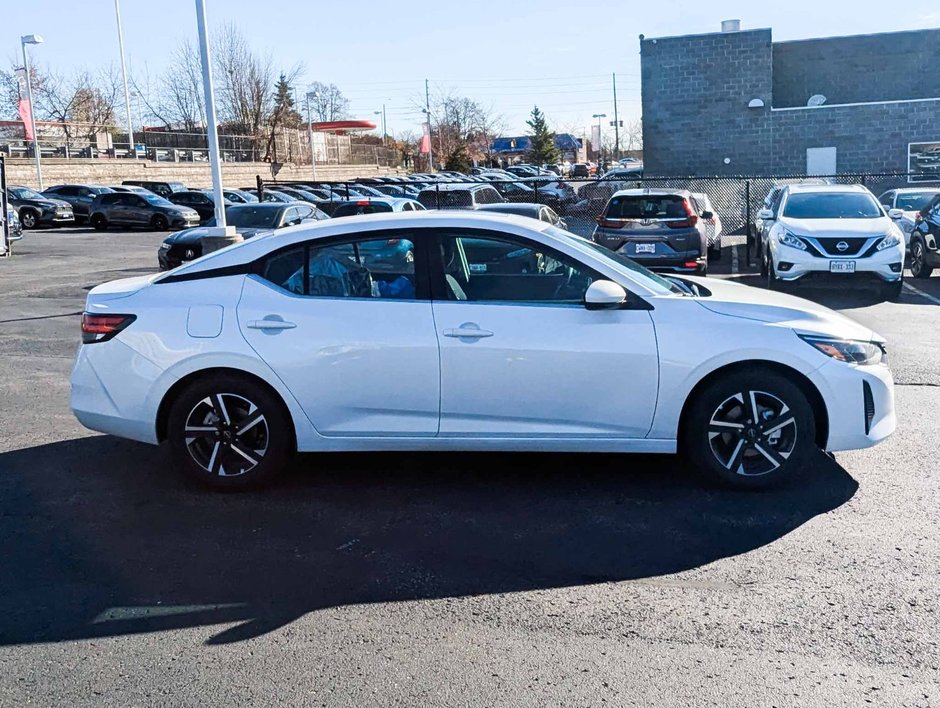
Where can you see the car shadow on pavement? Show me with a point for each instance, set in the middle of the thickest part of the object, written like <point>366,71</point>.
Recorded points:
<point>101,538</point>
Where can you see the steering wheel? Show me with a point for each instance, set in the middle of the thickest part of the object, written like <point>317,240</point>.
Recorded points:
<point>563,286</point>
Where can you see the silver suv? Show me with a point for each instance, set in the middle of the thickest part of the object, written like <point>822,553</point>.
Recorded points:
<point>143,210</point>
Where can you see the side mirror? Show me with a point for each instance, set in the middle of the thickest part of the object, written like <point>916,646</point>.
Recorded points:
<point>765,215</point>
<point>895,213</point>
<point>708,215</point>
<point>604,295</point>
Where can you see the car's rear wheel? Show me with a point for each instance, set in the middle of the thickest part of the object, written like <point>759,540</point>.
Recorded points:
<point>230,433</point>
<point>919,267</point>
<point>99,222</point>
<point>160,222</point>
<point>29,218</point>
<point>749,430</point>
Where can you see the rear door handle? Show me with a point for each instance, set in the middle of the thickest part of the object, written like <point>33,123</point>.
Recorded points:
<point>468,330</point>
<point>270,324</point>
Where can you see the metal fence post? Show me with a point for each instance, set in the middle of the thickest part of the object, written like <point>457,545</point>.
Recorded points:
<point>437,195</point>
<point>260,183</point>
<point>346,185</point>
<point>747,225</point>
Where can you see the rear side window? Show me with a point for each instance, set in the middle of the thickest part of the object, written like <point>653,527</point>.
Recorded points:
<point>111,198</point>
<point>449,199</point>
<point>376,268</point>
<point>355,208</point>
<point>666,206</point>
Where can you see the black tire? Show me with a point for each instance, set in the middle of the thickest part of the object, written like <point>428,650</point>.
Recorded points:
<point>215,407</point>
<point>763,262</point>
<point>99,222</point>
<point>919,266</point>
<point>773,282</point>
<point>160,223</point>
<point>892,291</point>
<point>29,218</point>
<point>750,456</point>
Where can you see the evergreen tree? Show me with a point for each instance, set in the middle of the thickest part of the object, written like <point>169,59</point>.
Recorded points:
<point>458,160</point>
<point>543,150</point>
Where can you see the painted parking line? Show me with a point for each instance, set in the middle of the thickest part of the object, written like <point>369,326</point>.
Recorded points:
<point>917,291</point>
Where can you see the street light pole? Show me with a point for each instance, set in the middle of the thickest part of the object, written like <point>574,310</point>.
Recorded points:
<point>212,134</point>
<point>384,130</point>
<point>600,140</point>
<point>313,151</point>
<point>127,96</point>
<point>24,40</point>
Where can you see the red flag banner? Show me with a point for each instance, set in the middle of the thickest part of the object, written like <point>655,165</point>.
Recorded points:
<point>24,116</point>
<point>425,147</point>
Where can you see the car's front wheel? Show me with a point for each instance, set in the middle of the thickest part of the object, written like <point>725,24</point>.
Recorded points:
<point>892,291</point>
<point>230,433</point>
<point>160,222</point>
<point>99,222</point>
<point>29,219</point>
<point>750,429</point>
<point>919,267</point>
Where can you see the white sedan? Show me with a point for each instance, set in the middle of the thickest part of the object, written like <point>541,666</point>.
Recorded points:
<point>463,331</point>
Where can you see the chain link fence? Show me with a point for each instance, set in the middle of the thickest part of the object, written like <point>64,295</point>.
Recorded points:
<point>736,200</point>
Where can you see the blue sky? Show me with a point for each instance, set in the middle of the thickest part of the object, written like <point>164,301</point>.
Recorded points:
<point>507,55</point>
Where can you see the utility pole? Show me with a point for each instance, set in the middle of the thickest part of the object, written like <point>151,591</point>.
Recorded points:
<point>427,106</point>
<point>212,126</point>
<point>616,123</point>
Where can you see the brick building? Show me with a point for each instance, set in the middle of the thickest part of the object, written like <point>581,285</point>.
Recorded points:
<point>735,102</point>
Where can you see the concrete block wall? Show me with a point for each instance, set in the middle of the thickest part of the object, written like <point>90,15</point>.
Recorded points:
<point>890,66</point>
<point>234,174</point>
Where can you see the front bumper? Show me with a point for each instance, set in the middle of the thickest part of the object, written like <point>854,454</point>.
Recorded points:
<point>183,222</point>
<point>57,217</point>
<point>843,389</point>
<point>793,263</point>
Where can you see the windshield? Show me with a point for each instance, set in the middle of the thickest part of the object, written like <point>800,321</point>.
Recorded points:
<point>350,209</point>
<point>446,199</point>
<point>656,283</point>
<point>156,200</point>
<point>252,217</point>
<point>913,201</point>
<point>832,205</point>
<point>26,193</point>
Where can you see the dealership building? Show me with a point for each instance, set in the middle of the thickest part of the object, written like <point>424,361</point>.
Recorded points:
<point>737,103</point>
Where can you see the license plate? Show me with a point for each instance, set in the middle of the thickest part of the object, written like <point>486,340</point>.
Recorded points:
<point>842,267</point>
<point>646,248</point>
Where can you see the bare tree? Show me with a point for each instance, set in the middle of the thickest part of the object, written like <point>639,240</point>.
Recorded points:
<point>246,82</point>
<point>179,101</point>
<point>329,103</point>
<point>632,136</point>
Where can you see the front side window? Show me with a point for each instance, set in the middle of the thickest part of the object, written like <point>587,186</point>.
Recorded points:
<point>832,205</point>
<point>914,201</point>
<point>497,268</point>
<point>381,268</point>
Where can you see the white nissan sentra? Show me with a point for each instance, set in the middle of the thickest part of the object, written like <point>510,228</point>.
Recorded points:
<point>464,331</point>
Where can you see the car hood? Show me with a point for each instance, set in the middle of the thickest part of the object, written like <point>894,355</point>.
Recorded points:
<point>837,228</point>
<point>196,234</point>
<point>804,316</point>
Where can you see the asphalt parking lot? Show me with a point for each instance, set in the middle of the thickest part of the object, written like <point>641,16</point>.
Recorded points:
<point>471,580</point>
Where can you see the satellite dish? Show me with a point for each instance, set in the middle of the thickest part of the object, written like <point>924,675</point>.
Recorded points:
<point>816,100</point>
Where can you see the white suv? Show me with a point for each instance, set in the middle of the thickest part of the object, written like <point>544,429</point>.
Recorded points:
<point>841,230</point>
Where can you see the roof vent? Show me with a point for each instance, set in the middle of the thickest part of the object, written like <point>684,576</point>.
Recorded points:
<point>730,25</point>
<point>816,100</point>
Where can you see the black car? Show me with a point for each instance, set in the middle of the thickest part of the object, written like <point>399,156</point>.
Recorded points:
<point>201,202</point>
<point>924,248</point>
<point>541,212</point>
<point>35,209</point>
<point>80,196</point>
<point>248,220</point>
<point>164,189</point>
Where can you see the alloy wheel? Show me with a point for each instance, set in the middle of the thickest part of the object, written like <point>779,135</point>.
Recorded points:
<point>28,219</point>
<point>917,259</point>
<point>226,434</point>
<point>752,433</point>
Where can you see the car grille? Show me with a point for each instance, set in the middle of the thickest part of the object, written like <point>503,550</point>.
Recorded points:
<point>829,245</point>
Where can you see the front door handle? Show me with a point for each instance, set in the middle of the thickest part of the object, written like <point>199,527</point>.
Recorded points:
<point>270,324</point>
<point>468,330</point>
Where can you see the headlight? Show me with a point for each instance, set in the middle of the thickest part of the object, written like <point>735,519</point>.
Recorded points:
<point>164,247</point>
<point>888,241</point>
<point>849,350</point>
<point>788,239</point>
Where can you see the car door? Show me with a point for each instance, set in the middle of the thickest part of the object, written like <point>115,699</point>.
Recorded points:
<point>520,354</point>
<point>351,336</point>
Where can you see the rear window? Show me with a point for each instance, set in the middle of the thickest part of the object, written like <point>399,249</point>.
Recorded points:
<point>665,206</point>
<point>447,199</point>
<point>832,205</point>
<point>353,209</point>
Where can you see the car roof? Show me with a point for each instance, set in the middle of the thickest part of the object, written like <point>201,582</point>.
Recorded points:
<point>827,188</point>
<point>457,186</point>
<point>652,192</point>
<point>264,205</point>
<point>521,208</point>
<point>910,190</point>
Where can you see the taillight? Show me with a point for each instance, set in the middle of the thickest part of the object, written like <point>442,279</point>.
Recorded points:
<point>101,328</point>
<point>609,223</point>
